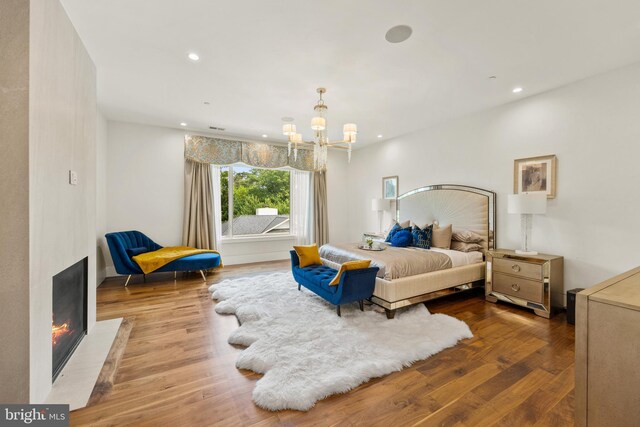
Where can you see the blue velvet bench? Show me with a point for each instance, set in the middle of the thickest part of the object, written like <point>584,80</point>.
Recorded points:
<point>120,241</point>
<point>355,285</point>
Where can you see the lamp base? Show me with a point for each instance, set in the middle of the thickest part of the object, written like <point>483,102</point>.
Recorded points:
<point>519,252</point>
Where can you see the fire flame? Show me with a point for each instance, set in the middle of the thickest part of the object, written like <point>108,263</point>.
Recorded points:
<point>58,331</point>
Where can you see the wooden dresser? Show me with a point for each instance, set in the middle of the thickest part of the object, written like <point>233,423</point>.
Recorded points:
<point>608,352</point>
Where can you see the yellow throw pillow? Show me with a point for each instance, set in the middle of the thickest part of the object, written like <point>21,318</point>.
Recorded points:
<point>308,255</point>
<point>349,265</point>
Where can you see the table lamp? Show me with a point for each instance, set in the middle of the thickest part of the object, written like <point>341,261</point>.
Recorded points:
<point>380,205</point>
<point>526,204</point>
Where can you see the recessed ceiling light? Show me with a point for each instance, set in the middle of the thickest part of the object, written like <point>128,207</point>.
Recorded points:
<point>379,136</point>
<point>264,135</point>
<point>206,103</point>
<point>517,89</point>
<point>194,56</point>
<point>398,34</point>
<point>287,119</point>
<point>183,124</point>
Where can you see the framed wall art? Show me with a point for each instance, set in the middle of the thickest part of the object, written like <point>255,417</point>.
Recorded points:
<point>535,175</point>
<point>390,187</point>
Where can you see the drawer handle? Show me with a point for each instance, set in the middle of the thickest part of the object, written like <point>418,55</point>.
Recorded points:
<point>515,267</point>
<point>515,287</point>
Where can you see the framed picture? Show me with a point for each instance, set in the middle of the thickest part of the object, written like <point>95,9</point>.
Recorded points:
<point>390,187</point>
<point>535,175</point>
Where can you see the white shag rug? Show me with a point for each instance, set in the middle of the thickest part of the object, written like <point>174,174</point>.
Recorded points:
<point>307,353</point>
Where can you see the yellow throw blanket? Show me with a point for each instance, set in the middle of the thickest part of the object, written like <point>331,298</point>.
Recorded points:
<point>151,261</point>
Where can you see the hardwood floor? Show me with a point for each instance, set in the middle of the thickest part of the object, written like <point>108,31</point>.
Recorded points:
<point>177,369</point>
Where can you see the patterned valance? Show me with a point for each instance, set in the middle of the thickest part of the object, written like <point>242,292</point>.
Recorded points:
<point>218,151</point>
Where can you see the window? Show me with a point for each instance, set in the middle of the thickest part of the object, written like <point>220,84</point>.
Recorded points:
<point>254,201</point>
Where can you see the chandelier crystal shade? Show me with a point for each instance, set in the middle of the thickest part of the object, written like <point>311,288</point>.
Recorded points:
<point>321,142</point>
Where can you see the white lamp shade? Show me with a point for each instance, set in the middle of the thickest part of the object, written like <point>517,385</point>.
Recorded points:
<point>379,204</point>
<point>318,123</point>
<point>350,129</point>
<point>527,203</point>
<point>297,138</point>
<point>289,129</point>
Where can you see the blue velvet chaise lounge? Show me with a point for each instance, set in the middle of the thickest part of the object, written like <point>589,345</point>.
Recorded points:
<point>355,285</point>
<point>125,244</point>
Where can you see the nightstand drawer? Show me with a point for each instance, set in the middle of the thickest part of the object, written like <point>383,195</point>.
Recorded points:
<point>526,289</point>
<point>518,268</point>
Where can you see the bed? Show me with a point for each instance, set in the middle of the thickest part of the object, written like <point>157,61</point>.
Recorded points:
<point>410,275</point>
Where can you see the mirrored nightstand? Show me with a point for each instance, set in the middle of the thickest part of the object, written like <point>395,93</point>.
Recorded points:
<point>532,281</point>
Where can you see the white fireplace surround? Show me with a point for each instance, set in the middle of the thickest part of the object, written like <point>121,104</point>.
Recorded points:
<point>49,224</point>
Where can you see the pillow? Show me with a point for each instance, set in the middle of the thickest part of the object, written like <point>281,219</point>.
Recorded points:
<point>392,231</point>
<point>421,227</point>
<point>308,255</point>
<point>402,238</point>
<point>441,237</point>
<point>465,247</point>
<point>422,237</point>
<point>137,251</point>
<point>405,224</point>
<point>397,227</point>
<point>466,236</point>
<point>349,265</point>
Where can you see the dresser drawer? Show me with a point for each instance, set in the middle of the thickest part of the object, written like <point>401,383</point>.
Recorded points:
<point>518,268</point>
<point>526,289</point>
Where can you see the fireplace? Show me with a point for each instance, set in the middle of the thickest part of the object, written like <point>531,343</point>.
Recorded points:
<point>69,313</point>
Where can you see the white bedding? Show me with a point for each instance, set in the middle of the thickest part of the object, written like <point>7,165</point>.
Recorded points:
<point>459,259</point>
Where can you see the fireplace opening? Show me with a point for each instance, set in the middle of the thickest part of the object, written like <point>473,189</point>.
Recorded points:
<point>69,323</point>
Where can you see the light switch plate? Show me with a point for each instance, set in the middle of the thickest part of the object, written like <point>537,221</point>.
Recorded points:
<point>73,177</point>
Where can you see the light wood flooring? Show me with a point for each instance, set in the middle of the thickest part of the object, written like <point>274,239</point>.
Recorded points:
<point>174,367</point>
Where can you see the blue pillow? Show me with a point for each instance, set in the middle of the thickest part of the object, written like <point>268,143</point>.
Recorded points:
<point>402,238</point>
<point>422,237</point>
<point>137,251</point>
<point>394,230</point>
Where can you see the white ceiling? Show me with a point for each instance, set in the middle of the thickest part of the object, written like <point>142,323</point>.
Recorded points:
<point>262,60</point>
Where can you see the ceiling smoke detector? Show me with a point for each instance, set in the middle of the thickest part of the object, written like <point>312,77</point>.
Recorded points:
<point>398,34</point>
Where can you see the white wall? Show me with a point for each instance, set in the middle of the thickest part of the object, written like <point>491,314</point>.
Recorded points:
<point>145,180</point>
<point>102,251</point>
<point>62,137</point>
<point>145,191</point>
<point>593,128</point>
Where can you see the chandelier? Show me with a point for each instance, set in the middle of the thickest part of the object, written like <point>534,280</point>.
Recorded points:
<point>321,141</point>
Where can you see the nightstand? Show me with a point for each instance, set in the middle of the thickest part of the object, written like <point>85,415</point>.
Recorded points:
<point>373,235</point>
<point>532,281</point>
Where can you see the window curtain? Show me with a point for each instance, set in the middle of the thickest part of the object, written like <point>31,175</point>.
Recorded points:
<point>219,151</point>
<point>320,213</point>
<point>199,228</point>
<point>217,207</point>
<point>300,207</point>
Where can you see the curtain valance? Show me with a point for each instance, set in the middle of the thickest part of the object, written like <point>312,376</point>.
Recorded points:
<point>218,151</point>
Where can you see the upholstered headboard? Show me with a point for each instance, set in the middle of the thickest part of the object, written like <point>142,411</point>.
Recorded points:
<point>467,208</point>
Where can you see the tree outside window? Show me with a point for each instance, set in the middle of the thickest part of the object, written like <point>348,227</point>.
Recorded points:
<point>261,200</point>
